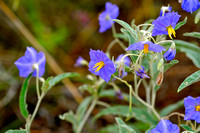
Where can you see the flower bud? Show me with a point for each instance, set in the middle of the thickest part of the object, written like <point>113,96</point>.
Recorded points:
<point>141,73</point>
<point>171,52</point>
<point>80,62</point>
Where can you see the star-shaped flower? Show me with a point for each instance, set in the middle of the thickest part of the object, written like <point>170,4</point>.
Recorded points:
<point>101,65</point>
<point>164,25</point>
<point>192,108</point>
<point>146,46</point>
<point>31,61</point>
<point>105,18</point>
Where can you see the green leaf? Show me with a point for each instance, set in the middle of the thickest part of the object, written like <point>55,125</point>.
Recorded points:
<point>170,108</point>
<point>127,27</point>
<point>195,77</point>
<point>197,17</point>
<point>170,64</point>
<point>70,117</point>
<point>186,127</point>
<point>191,50</point>
<point>123,128</point>
<point>193,34</point>
<point>15,131</point>
<point>87,88</point>
<point>51,81</point>
<point>139,114</point>
<point>82,108</point>
<point>22,98</point>
<point>109,129</point>
<point>111,94</point>
<point>128,35</point>
<point>181,24</point>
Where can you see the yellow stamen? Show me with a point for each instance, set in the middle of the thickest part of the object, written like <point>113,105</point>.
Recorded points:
<point>146,48</point>
<point>99,65</point>
<point>171,31</point>
<point>197,108</point>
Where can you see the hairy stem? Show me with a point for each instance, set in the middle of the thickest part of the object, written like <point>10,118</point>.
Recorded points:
<point>139,99</point>
<point>94,102</point>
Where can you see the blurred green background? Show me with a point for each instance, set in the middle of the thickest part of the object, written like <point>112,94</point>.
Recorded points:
<point>68,29</point>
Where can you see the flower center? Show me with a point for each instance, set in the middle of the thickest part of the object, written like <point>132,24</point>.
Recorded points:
<point>171,31</point>
<point>197,108</point>
<point>146,48</point>
<point>99,65</point>
<point>107,17</point>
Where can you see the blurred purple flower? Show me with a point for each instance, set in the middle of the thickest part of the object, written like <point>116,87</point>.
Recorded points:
<point>126,60</point>
<point>165,126</point>
<point>141,73</point>
<point>105,18</point>
<point>101,65</point>
<point>146,46</point>
<point>80,62</point>
<point>164,25</point>
<point>28,63</point>
<point>190,5</point>
<point>192,108</point>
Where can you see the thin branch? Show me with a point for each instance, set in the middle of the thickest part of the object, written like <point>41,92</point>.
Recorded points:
<point>32,40</point>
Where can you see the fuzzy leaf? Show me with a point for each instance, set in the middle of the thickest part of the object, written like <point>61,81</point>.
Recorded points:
<point>193,34</point>
<point>181,24</point>
<point>123,128</point>
<point>195,77</point>
<point>127,27</point>
<point>51,81</point>
<point>197,17</point>
<point>170,108</point>
<point>82,108</point>
<point>22,98</point>
<point>15,131</point>
<point>139,114</point>
<point>70,117</point>
<point>186,127</point>
<point>170,64</point>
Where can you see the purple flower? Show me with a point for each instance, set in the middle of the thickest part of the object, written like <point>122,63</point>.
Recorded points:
<point>28,63</point>
<point>164,25</point>
<point>165,126</point>
<point>80,62</point>
<point>105,18</point>
<point>141,73</point>
<point>101,65</point>
<point>192,108</point>
<point>165,9</point>
<point>190,5</point>
<point>170,54</point>
<point>126,60</point>
<point>146,46</point>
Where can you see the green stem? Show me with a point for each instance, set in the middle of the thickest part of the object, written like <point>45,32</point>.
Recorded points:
<point>94,102</point>
<point>37,82</point>
<point>103,104</point>
<point>139,99</point>
<point>147,90</point>
<point>34,113</point>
